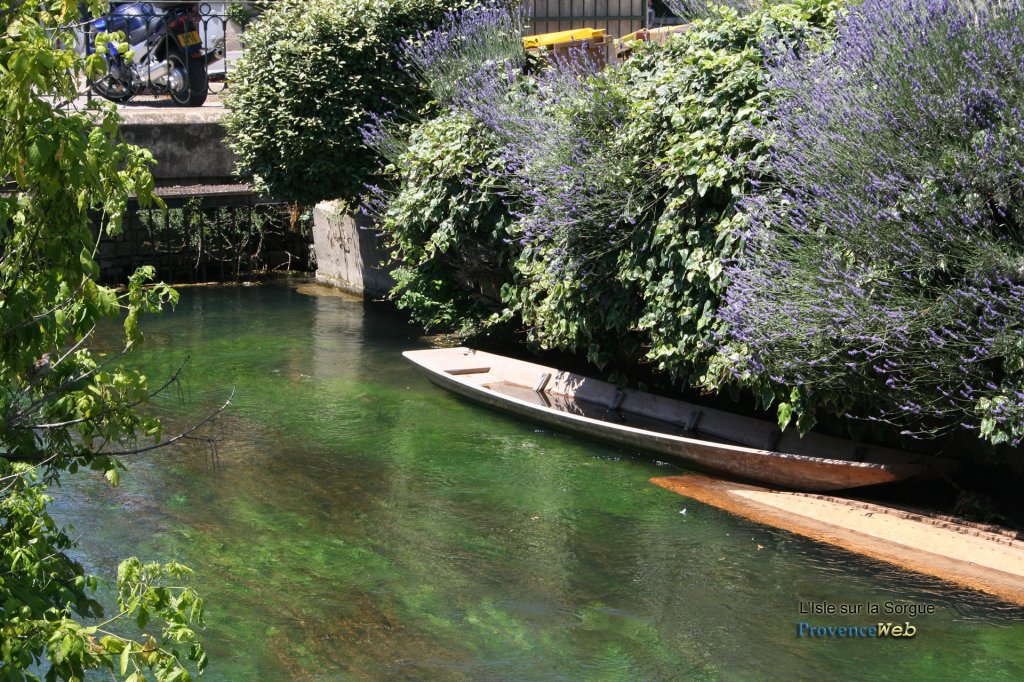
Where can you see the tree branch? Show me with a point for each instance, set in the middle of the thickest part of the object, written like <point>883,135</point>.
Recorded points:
<point>170,441</point>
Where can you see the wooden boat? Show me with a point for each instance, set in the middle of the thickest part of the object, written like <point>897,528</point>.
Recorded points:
<point>693,435</point>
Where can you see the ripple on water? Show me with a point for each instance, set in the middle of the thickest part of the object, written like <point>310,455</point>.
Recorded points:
<point>359,523</point>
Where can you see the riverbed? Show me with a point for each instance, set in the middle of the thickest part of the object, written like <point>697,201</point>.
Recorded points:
<point>347,520</point>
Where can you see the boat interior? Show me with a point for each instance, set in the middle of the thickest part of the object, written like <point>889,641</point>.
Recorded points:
<point>570,393</point>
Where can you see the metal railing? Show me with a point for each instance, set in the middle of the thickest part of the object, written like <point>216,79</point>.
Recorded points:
<point>616,17</point>
<point>221,47</point>
<point>217,37</point>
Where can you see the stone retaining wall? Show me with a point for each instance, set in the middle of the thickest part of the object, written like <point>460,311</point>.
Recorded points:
<point>188,144</point>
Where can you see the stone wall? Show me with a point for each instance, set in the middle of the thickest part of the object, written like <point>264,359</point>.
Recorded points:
<point>188,144</point>
<point>349,252</point>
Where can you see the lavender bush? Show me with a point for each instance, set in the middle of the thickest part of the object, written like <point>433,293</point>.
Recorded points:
<point>884,272</point>
<point>581,197</point>
<point>621,185</point>
<point>467,43</point>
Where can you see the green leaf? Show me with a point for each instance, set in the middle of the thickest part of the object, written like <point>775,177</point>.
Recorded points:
<point>806,422</point>
<point>89,266</point>
<point>40,151</point>
<point>112,645</point>
<point>178,675</point>
<point>126,655</point>
<point>785,414</point>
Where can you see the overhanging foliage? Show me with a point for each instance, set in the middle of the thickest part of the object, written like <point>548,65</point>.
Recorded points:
<point>61,406</point>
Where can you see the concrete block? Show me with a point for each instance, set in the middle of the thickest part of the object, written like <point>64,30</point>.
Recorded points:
<point>349,252</point>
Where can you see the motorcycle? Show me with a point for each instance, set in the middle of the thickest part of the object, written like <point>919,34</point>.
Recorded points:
<point>167,53</point>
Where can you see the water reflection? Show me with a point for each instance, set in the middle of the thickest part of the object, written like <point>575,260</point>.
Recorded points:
<point>363,524</point>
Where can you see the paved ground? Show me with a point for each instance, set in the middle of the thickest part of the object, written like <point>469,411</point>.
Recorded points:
<point>161,106</point>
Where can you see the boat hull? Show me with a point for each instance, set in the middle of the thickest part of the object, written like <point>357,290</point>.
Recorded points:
<point>779,469</point>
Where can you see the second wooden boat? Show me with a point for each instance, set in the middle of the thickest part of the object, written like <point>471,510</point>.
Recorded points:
<point>693,435</point>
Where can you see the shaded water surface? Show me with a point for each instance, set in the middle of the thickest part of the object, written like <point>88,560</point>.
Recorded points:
<point>358,523</point>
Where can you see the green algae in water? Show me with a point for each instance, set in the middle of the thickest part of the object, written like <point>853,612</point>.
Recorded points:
<point>356,522</point>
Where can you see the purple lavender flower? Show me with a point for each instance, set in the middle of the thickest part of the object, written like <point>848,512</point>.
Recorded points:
<point>467,42</point>
<point>900,162</point>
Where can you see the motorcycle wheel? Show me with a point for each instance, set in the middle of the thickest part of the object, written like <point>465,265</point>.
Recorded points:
<point>108,88</point>
<point>191,90</point>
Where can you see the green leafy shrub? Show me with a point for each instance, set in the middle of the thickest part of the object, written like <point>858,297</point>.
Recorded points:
<point>696,101</point>
<point>625,183</point>
<point>312,73</point>
<point>447,225</point>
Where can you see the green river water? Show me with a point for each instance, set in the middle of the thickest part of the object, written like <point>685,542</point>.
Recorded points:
<point>358,523</point>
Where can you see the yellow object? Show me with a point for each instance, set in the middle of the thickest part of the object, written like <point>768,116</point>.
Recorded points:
<point>190,38</point>
<point>546,39</point>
